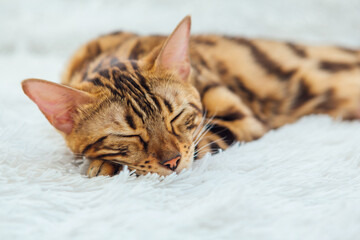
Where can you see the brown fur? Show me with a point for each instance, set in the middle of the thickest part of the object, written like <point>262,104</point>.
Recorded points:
<point>245,86</point>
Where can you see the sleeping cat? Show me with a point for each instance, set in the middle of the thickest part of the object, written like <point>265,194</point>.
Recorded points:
<point>155,103</point>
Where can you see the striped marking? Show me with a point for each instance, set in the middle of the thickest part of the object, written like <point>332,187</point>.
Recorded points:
<point>249,95</point>
<point>330,102</point>
<point>130,121</point>
<point>145,144</point>
<point>168,106</point>
<point>177,116</point>
<point>134,65</point>
<point>98,66</point>
<point>297,50</point>
<point>122,154</point>
<point>157,103</point>
<point>129,87</point>
<point>215,148</point>
<point>303,95</point>
<point>204,41</point>
<point>142,81</point>
<point>136,111</point>
<point>104,73</point>
<point>224,133</point>
<point>96,81</point>
<point>114,91</point>
<point>94,49</point>
<point>269,65</point>
<point>121,66</point>
<point>97,142</point>
<point>136,51</point>
<point>196,107</point>
<point>174,119</point>
<point>232,116</point>
<point>335,67</point>
<point>209,87</point>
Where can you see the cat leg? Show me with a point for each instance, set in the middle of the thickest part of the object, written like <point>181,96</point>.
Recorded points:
<point>101,168</point>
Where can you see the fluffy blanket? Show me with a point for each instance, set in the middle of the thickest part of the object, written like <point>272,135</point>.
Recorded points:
<point>301,181</point>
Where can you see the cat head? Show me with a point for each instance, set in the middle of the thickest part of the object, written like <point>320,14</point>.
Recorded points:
<point>146,119</point>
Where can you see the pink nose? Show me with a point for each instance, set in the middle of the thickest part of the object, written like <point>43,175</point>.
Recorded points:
<point>172,163</point>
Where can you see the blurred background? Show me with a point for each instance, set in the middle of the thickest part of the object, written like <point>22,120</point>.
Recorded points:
<point>57,27</point>
<point>39,36</point>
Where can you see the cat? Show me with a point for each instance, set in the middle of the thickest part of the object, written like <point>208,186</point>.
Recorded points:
<point>156,103</point>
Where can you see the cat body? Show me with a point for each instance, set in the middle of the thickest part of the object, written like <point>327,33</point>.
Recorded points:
<point>152,102</point>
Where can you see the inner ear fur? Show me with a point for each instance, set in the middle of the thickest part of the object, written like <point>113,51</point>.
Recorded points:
<point>174,55</point>
<point>57,102</point>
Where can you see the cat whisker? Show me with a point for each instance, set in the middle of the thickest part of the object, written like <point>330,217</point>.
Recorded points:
<point>202,134</point>
<point>204,151</point>
<point>198,128</point>
<point>201,137</point>
<point>206,145</point>
<point>207,127</point>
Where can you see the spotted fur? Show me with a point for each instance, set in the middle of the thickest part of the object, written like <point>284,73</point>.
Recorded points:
<point>225,89</point>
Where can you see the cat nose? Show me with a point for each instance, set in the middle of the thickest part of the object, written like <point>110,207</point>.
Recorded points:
<point>172,163</point>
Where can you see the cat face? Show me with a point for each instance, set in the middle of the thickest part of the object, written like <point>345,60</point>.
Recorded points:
<point>155,134</point>
<point>146,119</point>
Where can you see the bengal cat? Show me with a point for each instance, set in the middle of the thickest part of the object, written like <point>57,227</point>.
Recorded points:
<point>155,103</point>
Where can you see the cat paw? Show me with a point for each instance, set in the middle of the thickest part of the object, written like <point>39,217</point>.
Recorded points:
<point>101,168</point>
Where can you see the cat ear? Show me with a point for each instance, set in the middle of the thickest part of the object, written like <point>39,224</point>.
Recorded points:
<point>57,102</point>
<point>174,55</point>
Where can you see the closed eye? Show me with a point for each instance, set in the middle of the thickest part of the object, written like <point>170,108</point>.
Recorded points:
<point>177,116</point>
<point>190,120</point>
<point>125,136</point>
<point>190,123</point>
<point>174,119</point>
<point>119,149</point>
<point>145,144</point>
<point>101,156</point>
